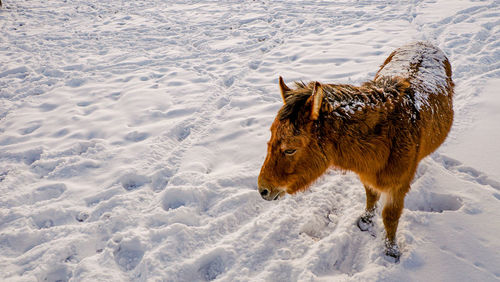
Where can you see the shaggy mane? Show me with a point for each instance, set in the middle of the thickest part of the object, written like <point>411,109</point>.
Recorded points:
<point>342,99</point>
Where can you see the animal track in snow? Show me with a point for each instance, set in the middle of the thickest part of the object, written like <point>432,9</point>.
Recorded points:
<point>213,264</point>
<point>136,136</point>
<point>30,128</point>
<point>82,216</point>
<point>131,180</point>
<point>51,217</point>
<point>128,254</point>
<point>3,175</point>
<point>48,192</point>
<point>181,132</point>
<point>46,107</point>
<point>28,156</point>
<point>466,172</point>
<point>57,273</point>
<point>175,197</point>
<point>433,202</point>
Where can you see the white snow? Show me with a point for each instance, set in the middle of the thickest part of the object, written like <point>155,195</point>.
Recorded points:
<point>132,134</point>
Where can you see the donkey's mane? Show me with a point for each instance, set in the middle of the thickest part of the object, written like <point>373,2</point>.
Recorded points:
<point>343,100</point>
<point>295,102</point>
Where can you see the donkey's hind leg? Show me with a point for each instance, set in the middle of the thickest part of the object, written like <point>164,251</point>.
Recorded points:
<point>390,214</point>
<point>365,221</point>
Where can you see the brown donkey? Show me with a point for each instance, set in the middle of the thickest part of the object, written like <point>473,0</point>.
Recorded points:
<point>380,130</point>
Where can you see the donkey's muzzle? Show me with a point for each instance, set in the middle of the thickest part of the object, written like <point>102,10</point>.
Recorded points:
<point>264,192</point>
<point>270,195</point>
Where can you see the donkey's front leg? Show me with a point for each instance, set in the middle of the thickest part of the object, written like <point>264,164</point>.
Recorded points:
<point>365,222</point>
<point>390,214</point>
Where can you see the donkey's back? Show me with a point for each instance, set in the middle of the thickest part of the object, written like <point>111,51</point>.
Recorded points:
<point>428,70</point>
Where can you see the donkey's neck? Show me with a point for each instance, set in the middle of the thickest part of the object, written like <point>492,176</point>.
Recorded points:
<point>357,117</point>
<point>348,101</point>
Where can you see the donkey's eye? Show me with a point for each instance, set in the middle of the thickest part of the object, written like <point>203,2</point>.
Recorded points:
<point>290,152</point>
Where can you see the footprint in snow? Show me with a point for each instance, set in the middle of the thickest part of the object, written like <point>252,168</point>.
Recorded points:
<point>3,175</point>
<point>47,192</point>
<point>115,96</point>
<point>496,195</point>
<point>175,197</point>
<point>128,254</point>
<point>248,122</point>
<point>213,264</point>
<point>83,103</point>
<point>131,180</point>
<point>82,216</point>
<point>75,82</point>
<point>29,129</point>
<point>466,172</point>
<point>136,136</point>
<point>181,132</point>
<point>57,273</point>
<point>47,107</point>
<point>433,202</point>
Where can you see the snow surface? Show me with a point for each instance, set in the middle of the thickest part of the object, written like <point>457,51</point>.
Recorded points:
<point>132,134</point>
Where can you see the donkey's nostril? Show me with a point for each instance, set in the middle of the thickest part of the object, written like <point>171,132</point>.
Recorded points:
<point>264,192</point>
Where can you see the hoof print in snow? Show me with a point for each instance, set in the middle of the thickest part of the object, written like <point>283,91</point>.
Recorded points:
<point>434,202</point>
<point>84,103</point>
<point>81,217</point>
<point>3,175</point>
<point>182,133</point>
<point>129,254</point>
<point>496,195</point>
<point>29,129</point>
<point>59,273</point>
<point>213,264</point>
<point>43,224</point>
<point>131,181</point>
<point>115,96</point>
<point>467,173</point>
<point>47,192</point>
<point>75,82</point>
<point>160,179</point>
<point>135,136</point>
<point>212,269</point>
<point>228,81</point>
<point>248,122</point>
<point>51,217</point>
<point>222,102</point>
<point>176,197</point>
<point>47,107</point>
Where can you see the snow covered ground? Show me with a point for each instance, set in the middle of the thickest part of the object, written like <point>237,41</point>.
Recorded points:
<point>132,134</point>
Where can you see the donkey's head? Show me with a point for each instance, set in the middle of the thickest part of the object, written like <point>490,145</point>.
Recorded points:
<point>295,157</point>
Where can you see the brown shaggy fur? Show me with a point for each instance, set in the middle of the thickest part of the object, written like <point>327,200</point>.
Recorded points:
<point>377,130</point>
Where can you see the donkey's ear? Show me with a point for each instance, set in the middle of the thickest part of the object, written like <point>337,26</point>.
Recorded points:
<point>317,98</point>
<point>285,91</point>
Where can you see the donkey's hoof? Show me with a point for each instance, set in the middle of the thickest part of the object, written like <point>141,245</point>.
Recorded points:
<point>365,222</point>
<point>392,251</point>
